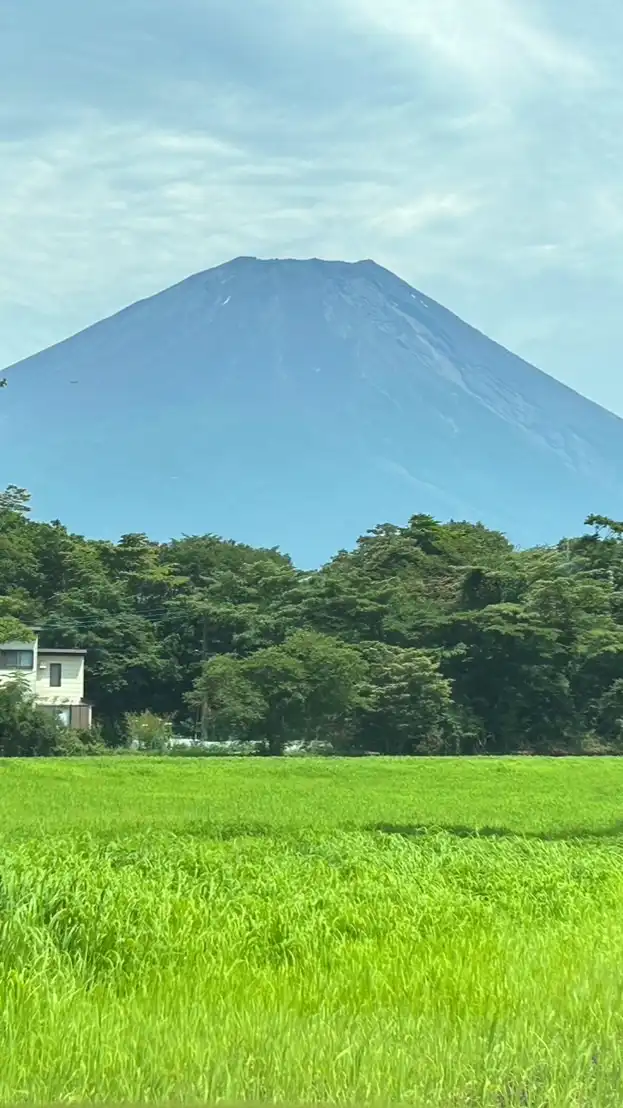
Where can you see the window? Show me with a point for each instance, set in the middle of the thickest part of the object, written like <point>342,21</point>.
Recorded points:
<point>56,675</point>
<point>17,659</point>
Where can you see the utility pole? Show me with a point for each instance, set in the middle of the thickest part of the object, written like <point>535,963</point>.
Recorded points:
<point>204,700</point>
<point>203,609</point>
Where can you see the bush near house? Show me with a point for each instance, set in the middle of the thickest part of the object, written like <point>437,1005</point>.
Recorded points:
<point>26,730</point>
<point>76,742</point>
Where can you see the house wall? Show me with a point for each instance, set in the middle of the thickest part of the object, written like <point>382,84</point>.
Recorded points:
<point>71,690</point>
<point>30,676</point>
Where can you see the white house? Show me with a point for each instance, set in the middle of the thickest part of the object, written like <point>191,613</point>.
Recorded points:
<point>55,678</point>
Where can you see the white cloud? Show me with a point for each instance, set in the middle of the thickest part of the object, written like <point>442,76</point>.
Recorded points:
<point>98,214</point>
<point>490,42</point>
<point>428,210</point>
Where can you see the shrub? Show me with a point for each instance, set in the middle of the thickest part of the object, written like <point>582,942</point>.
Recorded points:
<point>148,731</point>
<point>77,743</point>
<point>26,730</point>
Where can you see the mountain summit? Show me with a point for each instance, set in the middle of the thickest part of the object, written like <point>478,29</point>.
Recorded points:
<point>298,403</point>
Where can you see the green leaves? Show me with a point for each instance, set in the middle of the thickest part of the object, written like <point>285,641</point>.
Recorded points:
<point>234,703</point>
<point>407,704</point>
<point>305,688</point>
<point>15,500</point>
<point>432,636</point>
<point>25,729</point>
<point>13,630</point>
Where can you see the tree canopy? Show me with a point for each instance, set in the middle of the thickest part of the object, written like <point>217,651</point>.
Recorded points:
<point>432,637</point>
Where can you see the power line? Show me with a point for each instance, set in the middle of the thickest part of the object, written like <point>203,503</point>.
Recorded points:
<point>155,616</point>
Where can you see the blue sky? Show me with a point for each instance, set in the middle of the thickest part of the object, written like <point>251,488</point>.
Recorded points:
<point>473,146</point>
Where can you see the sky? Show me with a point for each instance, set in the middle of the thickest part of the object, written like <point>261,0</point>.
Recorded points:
<point>472,147</point>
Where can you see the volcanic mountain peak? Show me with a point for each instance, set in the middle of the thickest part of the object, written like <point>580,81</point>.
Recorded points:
<point>297,403</point>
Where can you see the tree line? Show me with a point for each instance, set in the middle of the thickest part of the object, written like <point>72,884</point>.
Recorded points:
<point>432,638</point>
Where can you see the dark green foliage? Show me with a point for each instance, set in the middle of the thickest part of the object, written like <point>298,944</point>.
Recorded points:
<point>26,731</point>
<point>428,638</point>
<point>74,743</point>
<point>406,705</point>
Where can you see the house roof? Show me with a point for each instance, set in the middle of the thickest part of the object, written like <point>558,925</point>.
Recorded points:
<point>59,650</point>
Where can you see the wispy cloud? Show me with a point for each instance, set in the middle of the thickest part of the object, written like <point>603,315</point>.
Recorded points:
<point>495,44</point>
<point>98,212</point>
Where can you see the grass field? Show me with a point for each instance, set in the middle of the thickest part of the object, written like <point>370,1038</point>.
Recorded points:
<point>431,932</point>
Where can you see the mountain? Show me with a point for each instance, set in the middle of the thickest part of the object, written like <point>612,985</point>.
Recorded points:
<point>299,403</point>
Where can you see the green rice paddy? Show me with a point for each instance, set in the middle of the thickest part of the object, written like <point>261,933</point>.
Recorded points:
<point>443,933</point>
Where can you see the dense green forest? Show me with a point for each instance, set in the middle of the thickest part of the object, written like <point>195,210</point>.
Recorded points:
<point>428,638</point>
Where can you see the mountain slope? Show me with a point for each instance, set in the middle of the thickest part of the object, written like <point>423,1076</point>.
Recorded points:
<point>297,403</point>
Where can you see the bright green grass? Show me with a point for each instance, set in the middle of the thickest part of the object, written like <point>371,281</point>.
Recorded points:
<point>552,797</point>
<point>245,931</point>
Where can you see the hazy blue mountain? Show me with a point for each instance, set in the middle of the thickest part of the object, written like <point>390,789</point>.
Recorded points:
<point>298,403</point>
